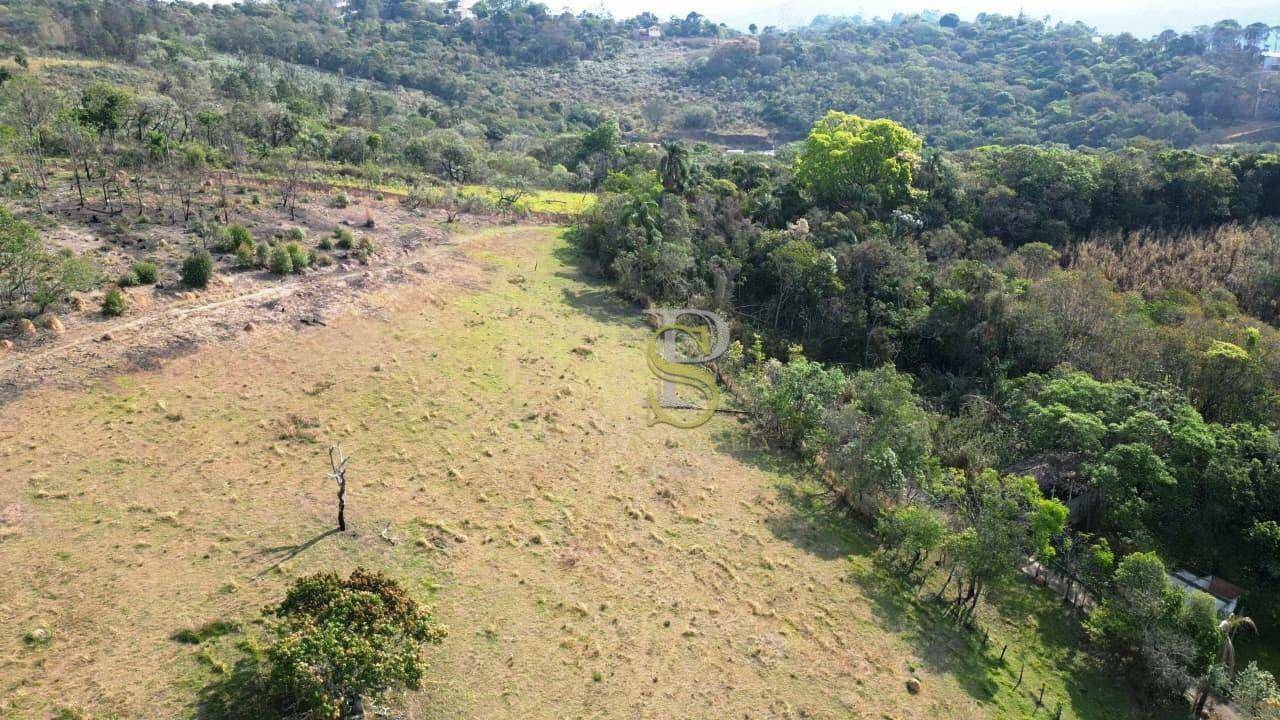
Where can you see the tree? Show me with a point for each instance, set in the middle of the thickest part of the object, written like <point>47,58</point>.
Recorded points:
<point>881,440</point>
<point>1173,635</point>
<point>30,107</point>
<point>848,162</point>
<point>338,474</point>
<point>654,111</point>
<point>675,169</point>
<point>335,645</point>
<point>909,534</point>
<point>104,107</point>
<point>22,257</point>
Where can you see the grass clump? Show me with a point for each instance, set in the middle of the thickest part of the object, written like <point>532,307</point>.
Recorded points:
<point>37,637</point>
<point>114,303</point>
<point>343,238</point>
<point>209,631</point>
<point>230,238</point>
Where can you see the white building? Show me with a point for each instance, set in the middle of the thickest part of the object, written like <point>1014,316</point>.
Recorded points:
<point>1226,597</point>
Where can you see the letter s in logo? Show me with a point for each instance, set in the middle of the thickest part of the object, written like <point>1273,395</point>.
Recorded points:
<point>674,371</point>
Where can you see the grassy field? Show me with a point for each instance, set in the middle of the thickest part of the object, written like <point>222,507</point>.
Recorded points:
<point>587,565</point>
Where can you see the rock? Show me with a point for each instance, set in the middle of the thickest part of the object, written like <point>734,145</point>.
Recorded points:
<point>583,350</point>
<point>52,324</point>
<point>250,327</point>
<point>26,328</point>
<point>913,685</point>
<point>107,337</point>
<point>6,345</point>
<point>79,303</point>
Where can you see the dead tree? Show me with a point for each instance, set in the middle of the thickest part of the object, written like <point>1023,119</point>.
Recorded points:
<point>338,473</point>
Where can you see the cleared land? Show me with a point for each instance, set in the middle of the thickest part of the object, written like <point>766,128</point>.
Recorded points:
<point>588,565</point>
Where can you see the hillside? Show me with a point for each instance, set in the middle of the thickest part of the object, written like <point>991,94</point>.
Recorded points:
<point>511,69</point>
<point>326,391</point>
<point>585,564</point>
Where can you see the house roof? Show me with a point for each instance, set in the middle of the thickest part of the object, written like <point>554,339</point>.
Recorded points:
<point>1223,589</point>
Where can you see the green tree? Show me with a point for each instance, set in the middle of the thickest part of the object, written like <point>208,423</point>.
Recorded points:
<point>104,107</point>
<point>849,162</point>
<point>675,169</point>
<point>339,643</point>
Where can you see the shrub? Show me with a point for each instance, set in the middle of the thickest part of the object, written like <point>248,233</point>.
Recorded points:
<point>230,238</point>
<point>113,303</point>
<point>325,244</point>
<point>262,254</point>
<point>344,238</point>
<point>364,249</point>
<point>129,279</point>
<point>322,260</point>
<point>146,273</point>
<point>246,257</point>
<point>295,233</point>
<point>197,269</point>
<point>299,256</point>
<point>339,201</point>
<point>281,262</point>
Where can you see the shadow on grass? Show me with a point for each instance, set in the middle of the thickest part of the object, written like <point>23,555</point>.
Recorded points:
<point>283,553</point>
<point>240,693</point>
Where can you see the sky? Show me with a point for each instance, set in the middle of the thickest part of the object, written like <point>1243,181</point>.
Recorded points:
<point>1143,18</point>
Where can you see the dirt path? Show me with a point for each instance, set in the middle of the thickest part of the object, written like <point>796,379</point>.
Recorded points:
<point>93,347</point>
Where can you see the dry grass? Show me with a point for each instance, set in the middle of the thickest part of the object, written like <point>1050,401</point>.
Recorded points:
<point>588,565</point>
<point>1151,262</point>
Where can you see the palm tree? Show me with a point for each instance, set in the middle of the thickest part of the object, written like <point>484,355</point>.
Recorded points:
<point>1226,657</point>
<point>675,168</point>
<point>1228,628</point>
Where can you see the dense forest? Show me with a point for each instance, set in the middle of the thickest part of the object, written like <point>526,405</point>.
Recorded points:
<point>960,84</point>
<point>1004,295</point>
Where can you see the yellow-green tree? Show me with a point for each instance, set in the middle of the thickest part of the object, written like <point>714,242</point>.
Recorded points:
<point>850,162</point>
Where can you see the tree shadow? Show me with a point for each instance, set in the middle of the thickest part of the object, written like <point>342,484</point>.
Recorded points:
<point>283,553</point>
<point>241,693</point>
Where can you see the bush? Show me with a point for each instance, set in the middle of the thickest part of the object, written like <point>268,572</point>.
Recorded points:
<point>197,269</point>
<point>299,256</point>
<point>343,238</point>
<point>129,279</point>
<point>295,233</point>
<point>325,244</point>
<point>230,238</point>
<point>281,262</point>
<point>113,303</point>
<point>364,249</point>
<point>146,273</point>
<point>262,254</point>
<point>246,257</point>
<point>339,201</point>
